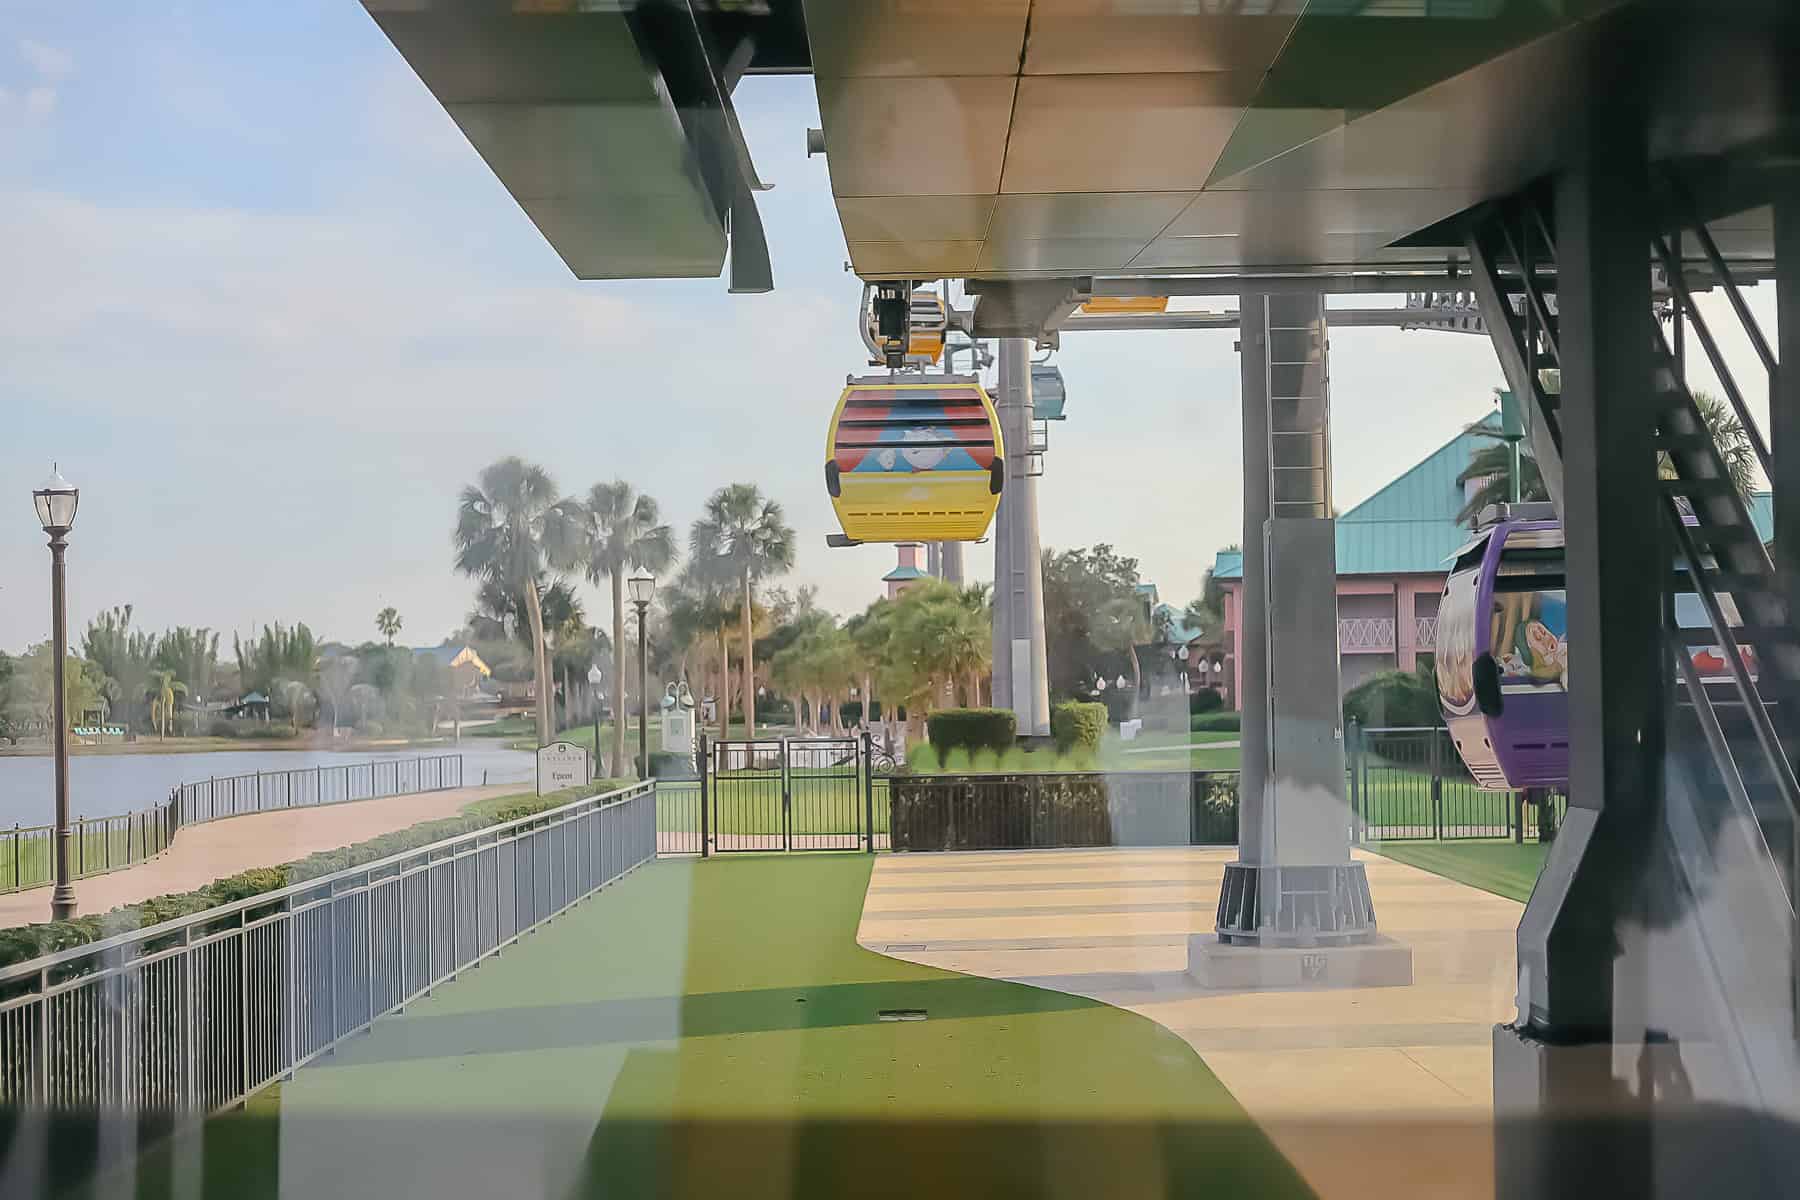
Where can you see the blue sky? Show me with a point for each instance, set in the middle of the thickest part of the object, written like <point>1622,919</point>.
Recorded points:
<point>270,311</point>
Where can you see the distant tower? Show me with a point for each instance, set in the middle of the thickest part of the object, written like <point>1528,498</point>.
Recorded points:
<point>906,572</point>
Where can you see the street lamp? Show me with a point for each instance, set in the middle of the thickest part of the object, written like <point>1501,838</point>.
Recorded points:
<point>55,503</point>
<point>594,678</point>
<point>642,588</point>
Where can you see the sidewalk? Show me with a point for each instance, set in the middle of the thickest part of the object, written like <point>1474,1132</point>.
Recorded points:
<point>203,853</point>
<point>1372,1092</point>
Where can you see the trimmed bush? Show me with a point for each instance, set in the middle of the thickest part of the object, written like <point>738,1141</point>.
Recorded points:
<point>1078,726</point>
<point>1406,699</point>
<point>972,729</point>
<point>1218,722</point>
<point>1204,701</point>
<point>669,765</point>
<point>30,941</point>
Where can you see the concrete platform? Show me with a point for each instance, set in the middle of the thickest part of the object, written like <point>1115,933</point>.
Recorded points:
<point>1369,1091</point>
<point>1215,966</point>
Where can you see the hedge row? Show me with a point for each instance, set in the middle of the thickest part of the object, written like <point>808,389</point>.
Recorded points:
<point>1216,722</point>
<point>29,941</point>
<point>972,729</point>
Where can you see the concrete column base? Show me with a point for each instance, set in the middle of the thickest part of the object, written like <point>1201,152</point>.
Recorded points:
<point>1303,906</point>
<point>1379,962</point>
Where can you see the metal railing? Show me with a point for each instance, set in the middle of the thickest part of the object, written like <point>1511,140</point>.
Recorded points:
<point>1365,633</point>
<point>102,844</point>
<point>198,1013</point>
<point>1409,784</point>
<point>1425,633</point>
<point>1037,810</point>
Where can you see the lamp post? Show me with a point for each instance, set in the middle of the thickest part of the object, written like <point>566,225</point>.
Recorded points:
<point>594,677</point>
<point>642,588</point>
<point>55,503</point>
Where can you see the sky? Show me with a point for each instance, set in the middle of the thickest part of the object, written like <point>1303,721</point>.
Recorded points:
<point>270,311</point>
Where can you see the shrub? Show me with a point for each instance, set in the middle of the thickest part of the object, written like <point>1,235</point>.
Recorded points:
<point>972,729</point>
<point>1204,701</point>
<point>1394,698</point>
<point>669,765</point>
<point>221,728</point>
<point>1077,726</point>
<point>1218,722</point>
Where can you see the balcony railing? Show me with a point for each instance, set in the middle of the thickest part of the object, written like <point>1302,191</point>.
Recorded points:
<point>1425,633</point>
<point>1365,635</point>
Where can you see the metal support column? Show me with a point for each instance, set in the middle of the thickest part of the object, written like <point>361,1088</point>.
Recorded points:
<point>1784,395</point>
<point>1573,940</point>
<point>1294,883</point>
<point>952,560</point>
<point>1021,676</point>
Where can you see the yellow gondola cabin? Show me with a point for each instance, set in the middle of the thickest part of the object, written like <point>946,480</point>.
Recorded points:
<point>920,460</point>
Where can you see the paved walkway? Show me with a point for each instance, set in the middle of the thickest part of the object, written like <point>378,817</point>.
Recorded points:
<point>203,853</point>
<point>1376,1092</point>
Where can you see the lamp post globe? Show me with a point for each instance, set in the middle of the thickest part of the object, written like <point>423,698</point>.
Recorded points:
<point>594,678</point>
<point>642,589</point>
<point>56,502</point>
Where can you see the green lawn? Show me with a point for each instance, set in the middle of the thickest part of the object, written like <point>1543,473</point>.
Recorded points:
<point>710,1029</point>
<point>1502,868</point>
<point>752,805</point>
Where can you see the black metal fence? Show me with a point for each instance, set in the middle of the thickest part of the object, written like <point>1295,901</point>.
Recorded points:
<point>775,794</point>
<point>1409,784</point>
<point>1039,810</point>
<point>102,844</point>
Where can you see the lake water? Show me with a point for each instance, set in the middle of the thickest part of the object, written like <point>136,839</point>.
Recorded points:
<point>104,785</point>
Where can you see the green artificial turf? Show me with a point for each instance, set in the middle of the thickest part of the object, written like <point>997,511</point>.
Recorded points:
<point>1503,868</point>
<point>711,1029</point>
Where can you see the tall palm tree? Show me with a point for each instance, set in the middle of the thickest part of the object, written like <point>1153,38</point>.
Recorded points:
<point>744,536</point>
<point>622,530</point>
<point>164,688</point>
<point>509,531</point>
<point>388,623</point>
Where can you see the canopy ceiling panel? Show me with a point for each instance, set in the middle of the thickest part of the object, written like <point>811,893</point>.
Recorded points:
<point>576,123</point>
<point>1149,136</point>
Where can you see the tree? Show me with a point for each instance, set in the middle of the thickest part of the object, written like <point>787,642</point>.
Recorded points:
<point>745,537</point>
<point>164,688</point>
<point>279,653</point>
<point>509,532</point>
<point>1093,617</point>
<point>388,622</point>
<point>124,655</point>
<point>336,674</point>
<point>294,696</point>
<point>621,530</point>
<point>1729,436</point>
<point>192,656</point>
<point>31,690</point>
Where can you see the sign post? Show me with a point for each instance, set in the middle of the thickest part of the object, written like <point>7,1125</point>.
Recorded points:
<point>561,765</point>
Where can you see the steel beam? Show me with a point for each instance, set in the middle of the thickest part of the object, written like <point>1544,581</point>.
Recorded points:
<point>1784,394</point>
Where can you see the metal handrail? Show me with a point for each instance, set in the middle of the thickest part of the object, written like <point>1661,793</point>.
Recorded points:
<point>1732,292</point>
<point>197,1013</point>
<point>1678,285</point>
<point>264,899</point>
<point>1766,737</point>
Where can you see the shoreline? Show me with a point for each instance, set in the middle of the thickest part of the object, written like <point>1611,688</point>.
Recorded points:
<point>205,745</point>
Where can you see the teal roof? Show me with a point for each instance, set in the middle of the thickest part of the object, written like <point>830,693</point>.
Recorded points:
<point>1179,630</point>
<point>1409,527</point>
<point>899,574</point>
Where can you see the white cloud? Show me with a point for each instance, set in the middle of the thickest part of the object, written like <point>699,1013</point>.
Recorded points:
<point>48,61</point>
<point>40,101</point>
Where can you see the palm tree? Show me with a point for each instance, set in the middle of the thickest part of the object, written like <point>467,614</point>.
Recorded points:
<point>388,622</point>
<point>1492,464</point>
<point>621,531</point>
<point>744,537</point>
<point>509,531</point>
<point>1728,435</point>
<point>164,688</point>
